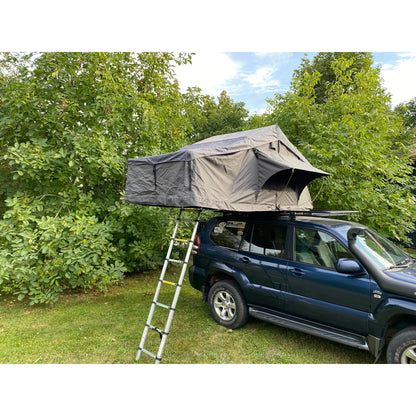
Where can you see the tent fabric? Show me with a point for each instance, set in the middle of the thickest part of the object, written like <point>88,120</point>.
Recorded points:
<point>253,170</point>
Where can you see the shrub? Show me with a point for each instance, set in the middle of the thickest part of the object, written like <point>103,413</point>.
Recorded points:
<point>41,256</point>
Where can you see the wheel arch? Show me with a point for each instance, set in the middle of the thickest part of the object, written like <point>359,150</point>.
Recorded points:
<point>221,271</point>
<point>398,323</point>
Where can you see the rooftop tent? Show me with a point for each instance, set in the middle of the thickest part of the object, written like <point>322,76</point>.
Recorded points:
<point>253,170</point>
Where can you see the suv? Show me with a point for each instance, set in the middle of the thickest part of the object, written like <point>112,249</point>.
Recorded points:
<point>310,272</point>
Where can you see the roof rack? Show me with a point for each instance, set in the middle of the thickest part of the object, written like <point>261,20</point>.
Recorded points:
<point>293,214</point>
<point>316,213</point>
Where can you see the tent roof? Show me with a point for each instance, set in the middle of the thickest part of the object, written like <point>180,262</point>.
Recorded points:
<point>225,144</point>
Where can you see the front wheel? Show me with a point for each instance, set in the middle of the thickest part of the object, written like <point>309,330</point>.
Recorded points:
<point>402,347</point>
<point>227,304</point>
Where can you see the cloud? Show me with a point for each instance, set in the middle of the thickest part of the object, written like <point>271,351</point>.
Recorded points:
<point>259,110</point>
<point>399,78</point>
<point>262,79</point>
<point>212,72</point>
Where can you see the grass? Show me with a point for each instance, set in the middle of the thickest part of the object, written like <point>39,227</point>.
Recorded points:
<point>103,328</point>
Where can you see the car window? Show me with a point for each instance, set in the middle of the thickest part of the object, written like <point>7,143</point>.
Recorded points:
<point>266,239</point>
<point>318,248</point>
<point>228,234</point>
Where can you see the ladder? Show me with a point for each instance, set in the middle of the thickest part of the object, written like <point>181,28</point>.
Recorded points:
<point>163,333</point>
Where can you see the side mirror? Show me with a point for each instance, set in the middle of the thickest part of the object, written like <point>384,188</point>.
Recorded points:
<point>348,266</point>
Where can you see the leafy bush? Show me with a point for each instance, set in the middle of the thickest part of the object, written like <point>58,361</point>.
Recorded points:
<point>141,234</point>
<point>43,255</point>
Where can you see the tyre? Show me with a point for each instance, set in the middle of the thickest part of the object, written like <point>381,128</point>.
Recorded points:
<point>227,304</point>
<point>402,347</point>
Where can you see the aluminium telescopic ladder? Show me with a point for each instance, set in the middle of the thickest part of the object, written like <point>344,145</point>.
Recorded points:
<point>163,333</point>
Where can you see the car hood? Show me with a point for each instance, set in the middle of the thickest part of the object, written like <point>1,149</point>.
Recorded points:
<point>404,275</point>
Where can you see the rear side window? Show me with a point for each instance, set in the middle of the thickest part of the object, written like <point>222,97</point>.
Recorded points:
<point>267,239</point>
<point>228,234</point>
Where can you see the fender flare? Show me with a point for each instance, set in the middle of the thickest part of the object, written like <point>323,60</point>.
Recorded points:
<point>387,311</point>
<point>227,270</point>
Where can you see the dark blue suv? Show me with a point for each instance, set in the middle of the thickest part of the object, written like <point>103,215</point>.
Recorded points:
<point>311,272</point>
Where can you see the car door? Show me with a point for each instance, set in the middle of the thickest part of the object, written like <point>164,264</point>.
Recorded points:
<point>262,255</point>
<point>317,291</point>
<point>234,248</point>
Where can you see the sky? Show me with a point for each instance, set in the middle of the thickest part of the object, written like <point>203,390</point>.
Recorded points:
<point>251,77</point>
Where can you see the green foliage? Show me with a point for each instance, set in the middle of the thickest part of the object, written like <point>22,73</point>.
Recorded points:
<point>68,124</point>
<point>408,112</point>
<point>353,135</point>
<point>43,255</point>
<point>209,117</point>
<point>142,234</point>
<point>322,63</point>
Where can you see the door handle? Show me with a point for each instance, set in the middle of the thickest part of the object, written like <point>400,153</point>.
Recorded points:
<point>245,260</point>
<point>297,272</point>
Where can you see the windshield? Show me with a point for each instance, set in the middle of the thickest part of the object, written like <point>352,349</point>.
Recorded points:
<point>383,252</point>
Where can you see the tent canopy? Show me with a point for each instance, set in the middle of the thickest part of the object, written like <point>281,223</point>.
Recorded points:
<point>253,170</point>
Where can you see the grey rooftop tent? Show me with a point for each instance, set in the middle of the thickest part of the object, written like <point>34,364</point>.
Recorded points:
<point>253,170</point>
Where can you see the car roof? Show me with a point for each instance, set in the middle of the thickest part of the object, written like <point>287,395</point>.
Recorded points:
<point>332,223</point>
<point>305,219</point>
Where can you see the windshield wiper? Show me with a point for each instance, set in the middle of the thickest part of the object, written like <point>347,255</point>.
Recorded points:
<point>404,263</point>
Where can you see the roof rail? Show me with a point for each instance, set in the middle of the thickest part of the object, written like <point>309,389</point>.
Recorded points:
<point>317,213</point>
<point>292,214</point>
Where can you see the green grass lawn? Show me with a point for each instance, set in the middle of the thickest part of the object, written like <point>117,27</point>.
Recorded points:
<point>106,327</point>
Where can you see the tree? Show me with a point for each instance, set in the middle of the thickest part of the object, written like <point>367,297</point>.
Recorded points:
<point>408,112</point>
<point>68,124</point>
<point>346,127</point>
<point>210,117</point>
<point>322,63</point>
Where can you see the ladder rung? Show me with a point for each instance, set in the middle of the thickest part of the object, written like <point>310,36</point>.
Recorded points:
<point>171,283</point>
<point>177,261</point>
<point>150,353</point>
<point>188,219</point>
<point>155,328</point>
<point>162,305</point>
<point>182,240</point>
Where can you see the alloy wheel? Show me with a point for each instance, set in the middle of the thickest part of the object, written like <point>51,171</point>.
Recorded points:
<point>224,305</point>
